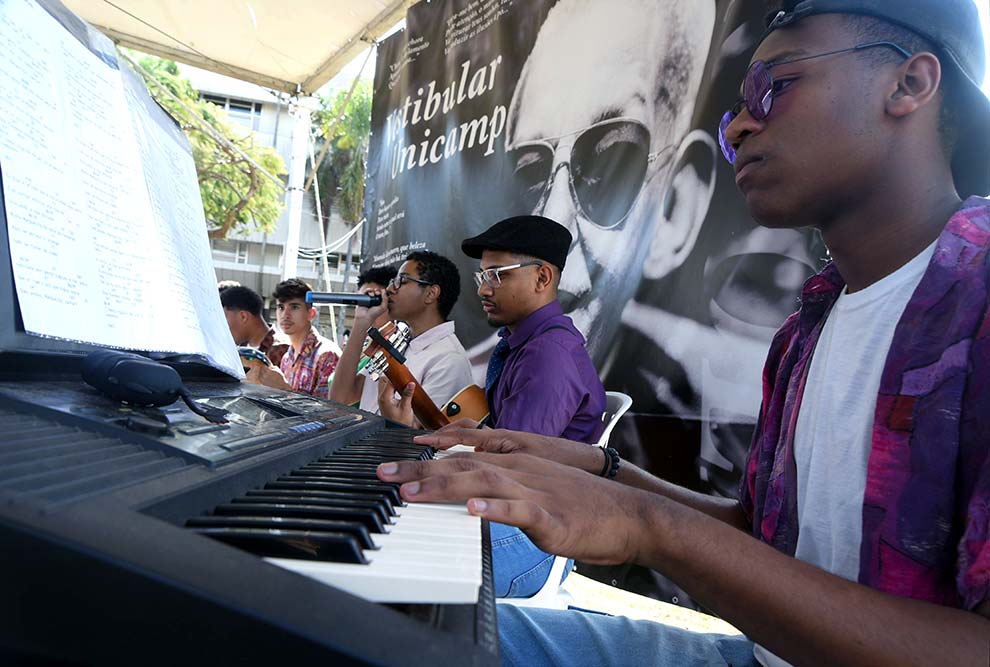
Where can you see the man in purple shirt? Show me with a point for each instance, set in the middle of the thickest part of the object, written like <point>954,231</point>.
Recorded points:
<point>540,378</point>
<point>862,531</point>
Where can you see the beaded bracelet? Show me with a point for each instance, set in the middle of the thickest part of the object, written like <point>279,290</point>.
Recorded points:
<point>611,467</point>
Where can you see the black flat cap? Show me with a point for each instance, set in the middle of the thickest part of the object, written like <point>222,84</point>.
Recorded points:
<point>953,27</point>
<point>531,235</point>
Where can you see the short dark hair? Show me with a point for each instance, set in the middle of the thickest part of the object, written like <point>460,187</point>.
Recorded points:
<point>293,288</point>
<point>379,275</point>
<point>226,284</point>
<point>238,297</point>
<point>872,29</point>
<point>438,270</point>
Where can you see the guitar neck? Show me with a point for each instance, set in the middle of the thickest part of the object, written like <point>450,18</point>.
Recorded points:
<point>426,411</point>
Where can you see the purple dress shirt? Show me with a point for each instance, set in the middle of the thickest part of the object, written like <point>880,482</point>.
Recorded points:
<point>548,384</point>
<point>926,511</point>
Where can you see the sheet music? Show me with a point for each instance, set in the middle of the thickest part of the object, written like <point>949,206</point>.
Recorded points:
<point>107,234</point>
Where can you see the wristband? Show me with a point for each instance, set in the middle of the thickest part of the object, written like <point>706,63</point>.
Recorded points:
<point>611,467</point>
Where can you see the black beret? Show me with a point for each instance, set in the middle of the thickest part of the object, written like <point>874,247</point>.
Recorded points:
<point>531,235</point>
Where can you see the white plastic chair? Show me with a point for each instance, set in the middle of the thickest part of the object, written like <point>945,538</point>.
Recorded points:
<point>553,595</point>
<point>616,404</point>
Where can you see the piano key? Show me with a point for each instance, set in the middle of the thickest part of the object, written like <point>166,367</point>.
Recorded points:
<point>380,498</point>
<point>353,528</point>
<point>389,491</point>
<point>294,544</point>
<point>366,517</point>
<point>340,503</point>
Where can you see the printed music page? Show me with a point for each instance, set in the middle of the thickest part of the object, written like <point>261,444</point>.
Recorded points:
<point>107,234</point>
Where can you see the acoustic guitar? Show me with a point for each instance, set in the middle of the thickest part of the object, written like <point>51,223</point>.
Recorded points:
<point>386,348</point>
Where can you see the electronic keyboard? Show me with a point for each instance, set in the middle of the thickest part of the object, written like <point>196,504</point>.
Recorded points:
<point>152,536</point>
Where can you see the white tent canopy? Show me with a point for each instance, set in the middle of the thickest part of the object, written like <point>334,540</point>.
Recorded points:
<point>293,46</point>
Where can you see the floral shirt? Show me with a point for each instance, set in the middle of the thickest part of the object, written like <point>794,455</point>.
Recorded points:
<point>926,511</point>
<point>310,370</point>
<point>274,346</point>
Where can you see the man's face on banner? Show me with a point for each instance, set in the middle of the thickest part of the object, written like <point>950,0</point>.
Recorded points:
<point>595,130</point>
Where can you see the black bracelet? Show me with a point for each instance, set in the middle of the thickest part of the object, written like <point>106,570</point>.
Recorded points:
<point>611,467</point>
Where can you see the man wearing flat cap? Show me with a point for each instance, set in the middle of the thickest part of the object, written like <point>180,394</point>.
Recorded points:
<point>540,378</point>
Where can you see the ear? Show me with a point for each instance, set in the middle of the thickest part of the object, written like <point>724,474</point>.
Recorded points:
<point>432,294</point>
<point>918,80</point>
<point>685,204</point>
<point>544,277</point>
<point>312,313</point>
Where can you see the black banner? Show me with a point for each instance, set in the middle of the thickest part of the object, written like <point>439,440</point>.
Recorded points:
<point>602,116</point>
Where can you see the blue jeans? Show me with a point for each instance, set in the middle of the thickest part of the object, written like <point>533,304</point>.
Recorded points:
<point>520,568</point>
<point>530,636</point>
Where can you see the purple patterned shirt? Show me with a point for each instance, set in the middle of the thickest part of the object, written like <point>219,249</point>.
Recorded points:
<point>926,511</point>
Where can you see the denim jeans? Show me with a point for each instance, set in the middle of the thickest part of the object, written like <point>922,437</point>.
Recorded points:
<point>530,637</point>
<point>519,567</point>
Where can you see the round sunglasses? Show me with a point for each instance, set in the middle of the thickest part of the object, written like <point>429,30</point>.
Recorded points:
<point>759,89</point>
<point>607,165</point>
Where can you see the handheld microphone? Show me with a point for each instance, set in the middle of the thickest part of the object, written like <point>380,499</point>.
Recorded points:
<point>343,298</point>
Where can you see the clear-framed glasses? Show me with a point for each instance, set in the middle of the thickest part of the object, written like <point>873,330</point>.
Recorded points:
<point>607,164</point>
<point>402,278</point>
<point>759,89</point>
<point>492,277</point>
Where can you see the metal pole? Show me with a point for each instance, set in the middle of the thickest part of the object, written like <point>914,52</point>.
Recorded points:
<point>302,110</point>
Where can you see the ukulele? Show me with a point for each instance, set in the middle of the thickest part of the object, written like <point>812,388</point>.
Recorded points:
<point>386,348</point>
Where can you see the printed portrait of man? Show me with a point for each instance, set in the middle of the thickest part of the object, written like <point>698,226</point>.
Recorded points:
<point>598,138</point>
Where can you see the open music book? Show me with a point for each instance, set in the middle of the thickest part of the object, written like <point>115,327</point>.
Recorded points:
<point>108,240</point>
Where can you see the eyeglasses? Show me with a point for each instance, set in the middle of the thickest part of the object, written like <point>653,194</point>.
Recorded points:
<point>492,277</point>
<point>607,165</point>
<point>759,89</point>
<point>402,278</point>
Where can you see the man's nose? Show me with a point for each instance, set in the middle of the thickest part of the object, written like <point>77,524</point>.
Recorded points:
<point>560,206</point>
<point>484,289</point>
<point>742,126</point>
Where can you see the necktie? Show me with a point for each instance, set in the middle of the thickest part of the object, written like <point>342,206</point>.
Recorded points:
<point>496,363</point>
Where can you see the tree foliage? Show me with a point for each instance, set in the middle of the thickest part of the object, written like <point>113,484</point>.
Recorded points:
<point>236,195</point>
<point>341,175</point>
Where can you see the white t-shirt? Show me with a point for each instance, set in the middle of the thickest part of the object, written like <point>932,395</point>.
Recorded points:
<point>439,363</point>
<point>834,433</point>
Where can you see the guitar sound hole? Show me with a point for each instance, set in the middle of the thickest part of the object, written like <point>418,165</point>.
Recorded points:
<point>453,409</point>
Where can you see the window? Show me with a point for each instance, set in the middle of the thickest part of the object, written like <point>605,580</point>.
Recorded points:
<point>244,113</point>
<point>230,251</point>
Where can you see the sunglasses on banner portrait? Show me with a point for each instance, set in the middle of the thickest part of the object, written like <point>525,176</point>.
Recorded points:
<point>607,163</point>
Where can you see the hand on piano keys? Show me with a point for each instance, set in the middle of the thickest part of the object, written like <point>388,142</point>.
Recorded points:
<point>563,509</point>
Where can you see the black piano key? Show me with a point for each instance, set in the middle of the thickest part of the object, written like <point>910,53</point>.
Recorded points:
<point>364,458</point>
<point>381,499</point>
<point>365,516</point>
<point>353,528</point>
<point>330,467</point>
<point>297,544</point>
<point>338,473</point>
<point>349,486</point>
<point>339,503</point>
<point>384,450</point>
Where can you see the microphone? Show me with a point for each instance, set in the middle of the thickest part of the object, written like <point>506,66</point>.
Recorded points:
<point>343,298</point>
<point>137,380</point>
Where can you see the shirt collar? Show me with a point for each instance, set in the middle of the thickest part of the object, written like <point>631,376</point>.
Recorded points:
<point>430,336</point>
<point>532,323</point>
<point>310,344</point>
